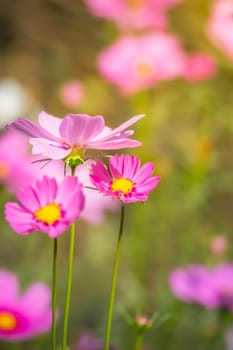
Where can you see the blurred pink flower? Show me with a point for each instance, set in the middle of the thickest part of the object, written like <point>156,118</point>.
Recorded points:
<point>135,63</point>
<point>219,245</point>
<point>23,316</point>
<point>220,26</point>
<point>57,138</point>
<point>88,342</point>
<point>46,207</point>
<point>128,181</point>
<point>15,169</point>
<point>212,288</point>
<point>72,93</point>
<point>133,13</point>
<point>199,67</point>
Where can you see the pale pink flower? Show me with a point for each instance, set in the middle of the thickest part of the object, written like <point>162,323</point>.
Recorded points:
<point>219,245</point>
<point>126,180</point>
<point>210,287</point>
<point>57,138</point>
<point>15,169</point>
<point>72,93</point>
<point>23,316</point>
<point>199,67</point>
<point>135,63</point>
<point>133,13</point>
<point>220,26</point>
<point>46,207</point>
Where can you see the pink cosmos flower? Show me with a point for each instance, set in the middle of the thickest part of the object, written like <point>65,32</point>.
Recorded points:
<point>134,13</point>
<point>212,288</point>
<point>23,316</point>
<point>15,169</point>
<point>46,207</point>
<point>127,180</point>
<point>135,63</point>
<point>72,93</point>
<point>199,67</point>
<point>57,138</point>
<point>220,26</point>
<point>96,205</point>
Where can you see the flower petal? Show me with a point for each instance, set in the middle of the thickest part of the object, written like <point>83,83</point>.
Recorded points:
<point>49,149</point>
<point>50,123</point>
<point>8,288</point>
<point>77,129</point>
<point>35,300</point>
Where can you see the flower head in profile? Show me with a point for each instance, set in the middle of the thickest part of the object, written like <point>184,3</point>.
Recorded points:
<point>46,207</point>
<point>133,63</point>
<point>23,316</point>
<point>209,287</point>
<point>126,179</point>
<point>57,138</point>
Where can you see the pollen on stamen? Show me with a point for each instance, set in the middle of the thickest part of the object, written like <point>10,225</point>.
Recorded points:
<point>123,185</point>
<point>49,213</point>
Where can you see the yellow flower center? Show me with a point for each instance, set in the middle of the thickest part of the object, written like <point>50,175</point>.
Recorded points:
<point>48,214</point>
<point>134,4</point>
<point>7,321</point>
<point>4,171</point>
<point>123,185</point>
<point>143,69</point>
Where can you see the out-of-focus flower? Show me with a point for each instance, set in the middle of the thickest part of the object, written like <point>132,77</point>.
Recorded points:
<point>199,67</point>
<point>212,288</point>
<point>72,93</point>
<point>88,342</point>
<point>220,26</point>
<point>46,207</point>
<point>15,169</point>
<point>23,316</point>
<point>228,338</point>
<point>128,181</point>
<point>57,138</point>
<point>219,245</point>
<point>143,322</point>
<point>14,100</point>
<point>133,13</point>
<point>135,63</point>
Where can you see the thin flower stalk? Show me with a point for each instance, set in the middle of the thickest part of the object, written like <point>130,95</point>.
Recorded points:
<point>54,294</point>
<point>114,281</point>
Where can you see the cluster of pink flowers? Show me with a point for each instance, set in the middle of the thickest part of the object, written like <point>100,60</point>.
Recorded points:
<point>50,205</point>
<point>209,287</point>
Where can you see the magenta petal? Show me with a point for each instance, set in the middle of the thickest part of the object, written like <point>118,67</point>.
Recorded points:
<point>114,144</point>
<point>35,299</point>
<point>47,190</point>
<point>30,129</point>
<point>8,288</point>
<point>77,129</point>
<point>144,172</point>
<point>20,221</point>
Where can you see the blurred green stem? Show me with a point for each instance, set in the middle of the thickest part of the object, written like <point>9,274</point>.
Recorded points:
<point>114,280</point>
<point>54,294</point>
<point>215,342</point>
<point>138,343</point>
<point>69,285</point>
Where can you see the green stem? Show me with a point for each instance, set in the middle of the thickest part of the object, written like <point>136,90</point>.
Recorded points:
<point>114,281</point>
<point>69,285</point>
<point>54,293</point>
<point>138,343</point>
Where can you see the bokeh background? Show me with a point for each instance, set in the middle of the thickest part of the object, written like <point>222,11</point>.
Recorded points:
<point>49,54</point>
